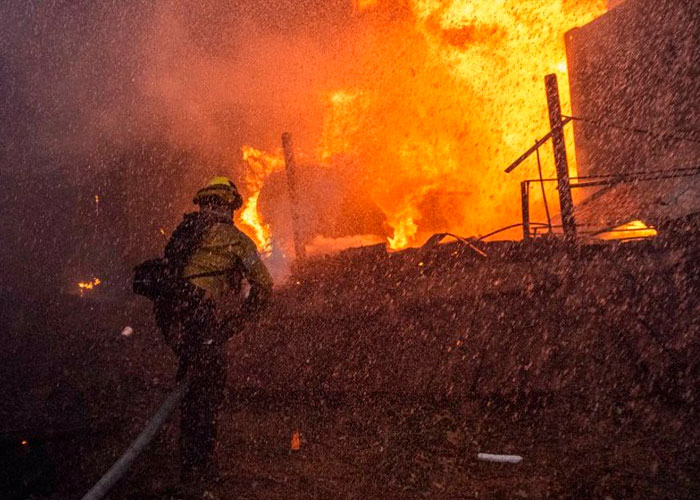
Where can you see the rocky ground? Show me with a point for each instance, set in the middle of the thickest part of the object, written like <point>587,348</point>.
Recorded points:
<point>397,369</point>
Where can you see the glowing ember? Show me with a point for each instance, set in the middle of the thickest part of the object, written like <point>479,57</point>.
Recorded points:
<point>632,230</point>
<point>88,285</point>
<point>295,444</point>
<point>259,166</point>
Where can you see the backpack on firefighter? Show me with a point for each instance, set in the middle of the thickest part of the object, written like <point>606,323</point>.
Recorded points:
<point>161,278</point>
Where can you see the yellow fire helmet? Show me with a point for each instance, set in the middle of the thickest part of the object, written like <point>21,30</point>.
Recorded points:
<point>222,188</point>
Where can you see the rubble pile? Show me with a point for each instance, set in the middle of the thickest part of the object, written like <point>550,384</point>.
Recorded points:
<point>599,320</point>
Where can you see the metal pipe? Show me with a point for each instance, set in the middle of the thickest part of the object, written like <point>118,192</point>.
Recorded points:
<point>650,175</point>
<point>506,228</point>
<point>291,167</point>
<point>466,242</point>
<point>544,194</point>
<point>555,120</point>
<point>534,148</point>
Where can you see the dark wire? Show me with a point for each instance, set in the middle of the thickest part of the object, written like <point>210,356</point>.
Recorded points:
<point>635,130</point>
<point>519,224</point>
<point>544,196</point>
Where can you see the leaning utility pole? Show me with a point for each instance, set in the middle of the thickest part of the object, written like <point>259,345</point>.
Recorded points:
<point>555,120</point>
<point>291,168</point>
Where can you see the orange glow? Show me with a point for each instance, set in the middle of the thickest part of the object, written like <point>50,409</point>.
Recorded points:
<point>324,246</point>
<point>259,165</point>
<point>361,5</point>
<point>404,227</point>
<point>473,85</point>
<point>342,123</point>
<point>633,229</point>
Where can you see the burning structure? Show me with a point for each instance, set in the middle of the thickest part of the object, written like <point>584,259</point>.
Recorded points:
<point>403,113</point>
<point>636,153</point>
<point>426,114</point>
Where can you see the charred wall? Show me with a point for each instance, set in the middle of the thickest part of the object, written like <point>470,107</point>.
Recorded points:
<point>637,66</point>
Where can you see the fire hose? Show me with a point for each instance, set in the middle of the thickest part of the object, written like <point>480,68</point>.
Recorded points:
<point>117,471</point>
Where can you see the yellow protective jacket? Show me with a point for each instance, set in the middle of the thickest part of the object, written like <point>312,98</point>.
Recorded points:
<point>225,248</point>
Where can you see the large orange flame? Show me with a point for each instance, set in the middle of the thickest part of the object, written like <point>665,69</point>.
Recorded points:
<point>479,102</point>
<point>433,101</point>
<point>259,166</point>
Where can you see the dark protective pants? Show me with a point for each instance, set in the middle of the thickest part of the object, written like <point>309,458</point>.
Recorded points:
<point>203,358</point>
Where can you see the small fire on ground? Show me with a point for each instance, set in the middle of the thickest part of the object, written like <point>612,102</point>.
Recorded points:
<point>88,285</point>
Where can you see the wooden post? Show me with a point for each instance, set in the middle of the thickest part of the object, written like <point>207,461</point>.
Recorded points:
<point>555,120</point>
<point>525,200</point>
<point>291,167</point>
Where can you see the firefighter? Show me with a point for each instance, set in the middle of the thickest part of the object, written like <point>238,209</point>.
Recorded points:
<point>216,257</point>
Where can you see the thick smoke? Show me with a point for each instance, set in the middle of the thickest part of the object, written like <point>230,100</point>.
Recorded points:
<point>141,101</point>
<point>208,76</point>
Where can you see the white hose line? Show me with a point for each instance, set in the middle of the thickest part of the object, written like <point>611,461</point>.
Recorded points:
<point>500,459</point>
<point>120,467</point>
